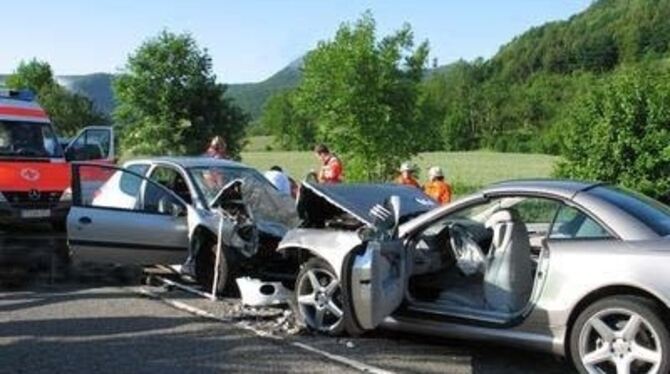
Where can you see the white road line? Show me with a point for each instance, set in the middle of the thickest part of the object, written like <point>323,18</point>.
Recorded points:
<point>360,366</point>
<point>184,287</point>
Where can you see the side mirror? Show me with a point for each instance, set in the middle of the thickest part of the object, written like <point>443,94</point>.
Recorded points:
<point>170,207</point>
<point>70,154</point>
<point>177,210</point>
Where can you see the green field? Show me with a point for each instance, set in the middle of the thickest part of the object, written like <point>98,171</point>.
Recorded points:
<point>466,170</point>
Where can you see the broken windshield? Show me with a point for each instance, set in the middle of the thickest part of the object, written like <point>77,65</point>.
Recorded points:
<point>273,211</point>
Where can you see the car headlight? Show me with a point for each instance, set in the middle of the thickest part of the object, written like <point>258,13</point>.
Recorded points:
<point>66,196</point>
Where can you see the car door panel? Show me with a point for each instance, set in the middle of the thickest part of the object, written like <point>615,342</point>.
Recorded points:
<point>105,227</point>
<point>378,281</point>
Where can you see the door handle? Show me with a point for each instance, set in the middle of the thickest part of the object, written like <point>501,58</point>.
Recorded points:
<point>85,220</point>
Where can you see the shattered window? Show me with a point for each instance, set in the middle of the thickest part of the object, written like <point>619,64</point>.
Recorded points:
<point>273,211</point>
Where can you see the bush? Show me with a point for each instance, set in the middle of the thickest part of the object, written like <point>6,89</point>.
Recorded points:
<point>620,133</point>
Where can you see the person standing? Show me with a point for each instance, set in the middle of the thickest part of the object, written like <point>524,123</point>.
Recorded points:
<point>406,176</point>
<point>331,166</point>
<point>436,187</point>
<point>217,148</point>
<point>278,179</point>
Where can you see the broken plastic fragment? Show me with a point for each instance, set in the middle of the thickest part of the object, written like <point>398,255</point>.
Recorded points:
<point>255,292</point>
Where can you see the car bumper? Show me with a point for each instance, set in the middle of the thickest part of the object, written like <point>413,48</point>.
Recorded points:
<point>10,214</point>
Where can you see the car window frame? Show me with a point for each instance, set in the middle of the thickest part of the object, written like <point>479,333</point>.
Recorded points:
<point>128,167</point>
<point>196,199</point>
<point>76,191</point>
<point>201,194</point>
<point>589,215</point>
<point>481,200</point>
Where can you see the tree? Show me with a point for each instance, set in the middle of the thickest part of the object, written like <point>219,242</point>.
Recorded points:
<point>68,111</point>
<point>362,96</point>
<point>33,75</point>
<point>620,134</point>
<point>169,101</point>
<point>291,129</point>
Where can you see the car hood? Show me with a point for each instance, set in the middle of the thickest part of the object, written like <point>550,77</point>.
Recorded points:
<point>358,199</point>
<point>273,213</point>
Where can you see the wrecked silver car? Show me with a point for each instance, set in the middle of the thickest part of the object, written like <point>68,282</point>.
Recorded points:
<point>569,267</point>
<point>171,211</point>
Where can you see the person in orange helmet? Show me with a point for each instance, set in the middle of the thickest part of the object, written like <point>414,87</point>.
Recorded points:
<point>406,176</point>
<point>436,187</point>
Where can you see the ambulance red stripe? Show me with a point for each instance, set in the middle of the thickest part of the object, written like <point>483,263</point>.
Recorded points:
<point>22,112</point>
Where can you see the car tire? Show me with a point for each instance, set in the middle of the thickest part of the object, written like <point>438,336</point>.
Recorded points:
<point>308,302</point>
<point>204,269</point>
<point>618,330</point>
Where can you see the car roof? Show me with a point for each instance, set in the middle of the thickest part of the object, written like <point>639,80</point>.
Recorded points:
<point>190,161</point>
<point>560,187</point>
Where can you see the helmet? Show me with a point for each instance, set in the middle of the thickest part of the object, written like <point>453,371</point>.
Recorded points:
<point>435,172</point>
<point>407,166</point>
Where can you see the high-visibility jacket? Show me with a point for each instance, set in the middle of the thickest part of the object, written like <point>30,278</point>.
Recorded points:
<point>331,171</point>
<point>410,181</point>
<point>439,190</point>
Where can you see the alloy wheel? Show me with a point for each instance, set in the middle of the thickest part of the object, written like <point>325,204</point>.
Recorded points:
<point>620,341</point>
<point>319,299</point>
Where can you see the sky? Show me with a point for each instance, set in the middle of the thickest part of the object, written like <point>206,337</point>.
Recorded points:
<point>249,40</point>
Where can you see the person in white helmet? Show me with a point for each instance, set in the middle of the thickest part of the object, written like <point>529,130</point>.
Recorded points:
<point>406,176</point>
<point>436,187</point>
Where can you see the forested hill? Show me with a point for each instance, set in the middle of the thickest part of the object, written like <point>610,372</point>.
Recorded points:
<point>251,97</point>
<point>608,33</point>
<point>516,100</point>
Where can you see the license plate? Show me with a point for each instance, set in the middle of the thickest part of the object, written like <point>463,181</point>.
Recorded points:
<point>35,213</point>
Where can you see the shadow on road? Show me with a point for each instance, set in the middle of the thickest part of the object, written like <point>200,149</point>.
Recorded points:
<point>115,331</point>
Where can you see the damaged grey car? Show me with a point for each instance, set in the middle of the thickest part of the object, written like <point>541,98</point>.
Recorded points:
<point>573,268</point>
<point>171,210</point>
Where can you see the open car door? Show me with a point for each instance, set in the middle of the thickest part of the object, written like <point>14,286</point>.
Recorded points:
<point>125,218</point>
<point>378,279</point>
<point>378,273</point>
<point>93,143</point>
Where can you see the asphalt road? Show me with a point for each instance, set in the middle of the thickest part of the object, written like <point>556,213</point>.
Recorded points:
<point>99,319</point>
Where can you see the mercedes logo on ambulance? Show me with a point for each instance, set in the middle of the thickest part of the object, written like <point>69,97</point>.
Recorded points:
<point>31,175</point>
<point>34,195</point>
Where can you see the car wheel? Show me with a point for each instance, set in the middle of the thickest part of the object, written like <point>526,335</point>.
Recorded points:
<point>204,269</point>
<point>318,298</point>
<point>620,334</point>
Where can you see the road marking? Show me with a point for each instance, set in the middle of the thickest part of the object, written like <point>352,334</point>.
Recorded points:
<point>184,287</point>
<point>360,366</point>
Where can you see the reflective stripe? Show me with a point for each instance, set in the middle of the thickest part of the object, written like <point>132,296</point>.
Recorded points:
<point>22,112</point>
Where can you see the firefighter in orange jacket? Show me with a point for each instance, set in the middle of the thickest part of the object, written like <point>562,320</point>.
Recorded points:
<point>331,168</point>
<point>437,188</point>
<point>406,176</point>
